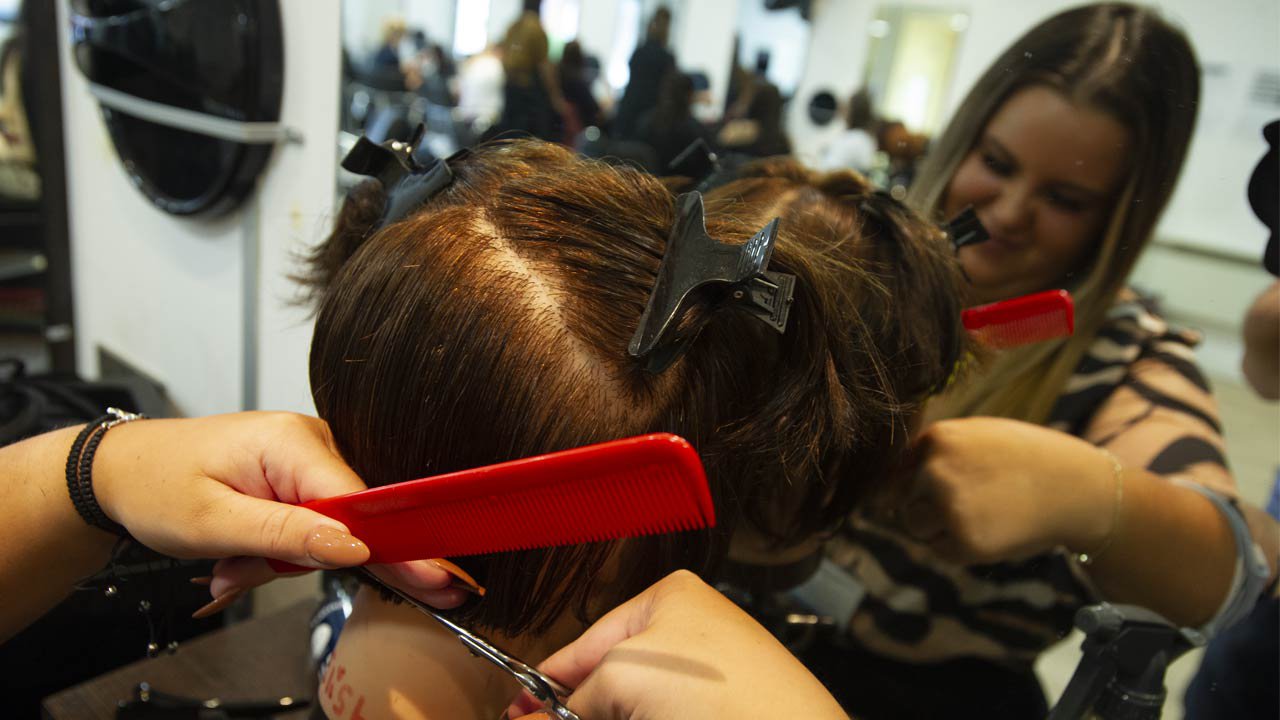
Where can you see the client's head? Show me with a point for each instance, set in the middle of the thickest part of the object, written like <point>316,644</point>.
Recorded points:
<point>494,322</point>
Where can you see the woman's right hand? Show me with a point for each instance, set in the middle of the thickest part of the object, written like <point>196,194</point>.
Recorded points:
<point>682,650</point>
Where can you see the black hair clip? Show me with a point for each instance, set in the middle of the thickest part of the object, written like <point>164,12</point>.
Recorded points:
<point>407,183</point>
<point>696,162</point>
<point>966,229</point>
<point>705,168</point>
<point>695,265</point>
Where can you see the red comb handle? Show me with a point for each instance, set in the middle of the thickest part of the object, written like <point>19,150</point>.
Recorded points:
<point>1022,320</point>
<point>622,488</point>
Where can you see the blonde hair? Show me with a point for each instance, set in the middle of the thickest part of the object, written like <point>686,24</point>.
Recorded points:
<point>393,28</point>
<point>1122,59</point>
<point>524,48</point>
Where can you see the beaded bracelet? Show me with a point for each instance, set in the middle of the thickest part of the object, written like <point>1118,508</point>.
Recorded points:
<point>80,470</point>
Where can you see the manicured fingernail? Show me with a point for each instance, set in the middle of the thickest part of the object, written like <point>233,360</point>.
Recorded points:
<point>535,716</point>
<point>330,546</point>
<point>219,604</point>
<point>202,580</point>
<point>461,579</point>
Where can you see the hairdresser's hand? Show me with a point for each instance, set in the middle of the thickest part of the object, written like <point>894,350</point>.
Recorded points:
<point>681,650</point>
<point>225,487</point>
<point>984,490</point>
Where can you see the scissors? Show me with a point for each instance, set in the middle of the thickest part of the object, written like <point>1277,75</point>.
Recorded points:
<point>547,691</point>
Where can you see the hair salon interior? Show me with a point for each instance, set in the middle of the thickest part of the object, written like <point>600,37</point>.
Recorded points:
<point>172,173</point>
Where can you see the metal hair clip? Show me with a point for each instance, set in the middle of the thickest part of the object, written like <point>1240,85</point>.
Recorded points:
<point>695,266</point>
<point>407,183</point>
<point>547,691</point>
<point>966,229</point>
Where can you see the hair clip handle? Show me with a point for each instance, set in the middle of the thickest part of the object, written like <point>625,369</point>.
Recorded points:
<point>388,162</point>
<point>966,229</point>
<point>695,268</point>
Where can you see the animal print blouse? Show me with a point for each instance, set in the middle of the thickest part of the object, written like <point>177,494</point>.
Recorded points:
<point>1137,393</point>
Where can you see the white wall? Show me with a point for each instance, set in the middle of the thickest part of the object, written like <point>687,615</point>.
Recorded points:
<point>501,14</point>
<point>702,40</point>
<point>362,21</point>
<point>598,27</point>
<point>784,34</point>
<point>295,205</point>
<point>179,298</point>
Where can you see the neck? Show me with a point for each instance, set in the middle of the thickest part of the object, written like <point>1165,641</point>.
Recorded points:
<point>393,661</point>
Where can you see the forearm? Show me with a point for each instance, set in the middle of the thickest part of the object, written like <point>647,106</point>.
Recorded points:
<point>49,547</point>
<point>1261,362</point>
<point>1171,551</point>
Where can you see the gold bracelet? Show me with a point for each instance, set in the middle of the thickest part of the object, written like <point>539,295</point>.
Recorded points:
<point>1087,558</point>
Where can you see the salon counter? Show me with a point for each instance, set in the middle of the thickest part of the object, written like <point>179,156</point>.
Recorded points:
<point>266,657</point>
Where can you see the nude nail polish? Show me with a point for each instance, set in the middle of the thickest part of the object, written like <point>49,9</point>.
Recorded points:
<point>330,546</point>
<point>461,579</point>
<point>219,604</point>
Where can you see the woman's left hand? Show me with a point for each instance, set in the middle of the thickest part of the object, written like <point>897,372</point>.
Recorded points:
<point>227,486</point>
<point>985,490</point>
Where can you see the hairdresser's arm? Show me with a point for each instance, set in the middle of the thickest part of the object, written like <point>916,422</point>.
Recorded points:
<point>209,487</point>
<point>1261,363</point>
<point>681,650</point>
<point>988,490</point>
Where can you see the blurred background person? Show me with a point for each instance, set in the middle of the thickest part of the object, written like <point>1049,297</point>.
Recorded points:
<point>480,89</point>
<point>670,127</point>
<point>760,133</point>
<point>1237,676</point>
<point>388,53</point>
<point>575,85</point>
<point>531,99</point>
<point>649,64</point>
<point>856,147</point>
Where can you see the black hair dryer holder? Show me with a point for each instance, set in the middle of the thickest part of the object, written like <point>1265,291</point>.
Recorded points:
<point>1127,650</point>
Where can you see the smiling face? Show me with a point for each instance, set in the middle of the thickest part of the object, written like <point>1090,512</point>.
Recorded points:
<point>1042,178</point>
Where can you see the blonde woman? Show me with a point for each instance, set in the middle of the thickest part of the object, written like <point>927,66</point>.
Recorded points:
<point>1066,472</point>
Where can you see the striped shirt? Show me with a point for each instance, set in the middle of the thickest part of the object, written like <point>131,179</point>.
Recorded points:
<point>1138,393</point>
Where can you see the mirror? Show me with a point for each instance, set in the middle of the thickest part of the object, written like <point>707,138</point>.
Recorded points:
<point>876,83</point>
<point>910,58</point>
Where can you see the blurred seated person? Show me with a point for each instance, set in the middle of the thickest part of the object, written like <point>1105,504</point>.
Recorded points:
<point>388,53</point>
<point>760,132</point>
<point>480,83</point>
<point>500,311</point>
<point>856,147</point>
<point>904,150</point>
<point>575,85</point>
<point>670,127</point>
<point>431,73</point>
<point>382,70</point>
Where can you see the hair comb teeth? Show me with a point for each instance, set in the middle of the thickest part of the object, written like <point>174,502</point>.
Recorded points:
<point>695,264</point>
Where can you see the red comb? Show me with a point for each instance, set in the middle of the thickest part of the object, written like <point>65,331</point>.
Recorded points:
<point>622,488</point>
<point>1023,320</point>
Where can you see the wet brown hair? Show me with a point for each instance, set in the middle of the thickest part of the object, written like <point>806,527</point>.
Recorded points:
<point>494,324</point>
